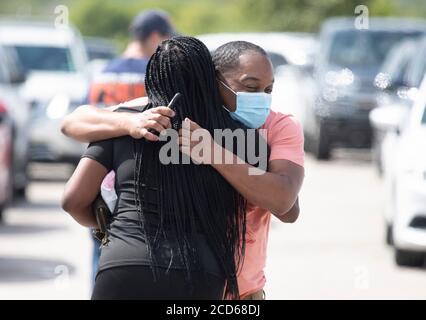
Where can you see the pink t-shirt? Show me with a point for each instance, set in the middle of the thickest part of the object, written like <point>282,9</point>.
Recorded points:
<point>285,139</point>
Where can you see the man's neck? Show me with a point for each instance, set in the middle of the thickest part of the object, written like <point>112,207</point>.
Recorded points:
<point>134,50</point>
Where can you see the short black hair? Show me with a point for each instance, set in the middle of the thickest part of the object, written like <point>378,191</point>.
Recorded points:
<point>227,56</point>
<point>150,21</point>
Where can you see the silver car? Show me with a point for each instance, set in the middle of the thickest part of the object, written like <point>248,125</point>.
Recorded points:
<point>11,78</point>
<point>55,60</point>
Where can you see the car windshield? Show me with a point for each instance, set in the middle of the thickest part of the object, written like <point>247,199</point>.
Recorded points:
<point>364,49</point>
<point>277,59</point>
<point>38,58</point>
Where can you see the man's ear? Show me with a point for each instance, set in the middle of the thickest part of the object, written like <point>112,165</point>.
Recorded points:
<point>229,98</point>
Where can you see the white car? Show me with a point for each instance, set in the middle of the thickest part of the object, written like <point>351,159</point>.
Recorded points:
<point>404,162</point>
<point>55,60</point>
<point>292,55</point>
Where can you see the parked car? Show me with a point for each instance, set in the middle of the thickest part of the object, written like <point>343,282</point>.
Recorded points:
<point>100,52</point>
<point>345,69</point>
<point>100,48</point>
<point>55,60</point>
<point>17,109</point>
<point>404,161</point>
<point>399,81</point>
<point>392,90</point>
<point>292,55</point>
<point>6,185</point>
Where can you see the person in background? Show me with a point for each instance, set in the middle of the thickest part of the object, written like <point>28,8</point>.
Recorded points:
<point>123,79</point>
<point>242,67</point>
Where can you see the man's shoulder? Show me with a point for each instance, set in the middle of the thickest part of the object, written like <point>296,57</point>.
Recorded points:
<point>279,121</point>
<point>126,65</point>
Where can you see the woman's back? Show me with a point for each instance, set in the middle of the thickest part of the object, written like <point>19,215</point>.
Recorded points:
<point>127,240</point>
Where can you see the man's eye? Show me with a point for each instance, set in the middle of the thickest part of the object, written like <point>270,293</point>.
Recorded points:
<point>269,90</point>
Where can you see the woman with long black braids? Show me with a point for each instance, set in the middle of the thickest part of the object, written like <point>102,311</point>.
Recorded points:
<point>177,231</point>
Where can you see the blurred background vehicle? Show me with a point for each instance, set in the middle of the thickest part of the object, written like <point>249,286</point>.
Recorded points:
<point>14,107</point>
<point>389,81</point>
<point>292,55</point>
<point>405,178</point>
<point>6,128</point>
<point>55,61</point>
<point>99,52</point>
<point>398,82</point>
<point>348,61</point>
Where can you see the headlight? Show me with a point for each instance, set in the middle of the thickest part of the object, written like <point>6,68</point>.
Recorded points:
<point>58,107</point>
<point>339,84</point>
<point>342,78</point>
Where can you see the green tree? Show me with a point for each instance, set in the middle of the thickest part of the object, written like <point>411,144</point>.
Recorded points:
<point>306,15</point>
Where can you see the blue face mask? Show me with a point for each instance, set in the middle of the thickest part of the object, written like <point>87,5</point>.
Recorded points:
<point>253,108</point>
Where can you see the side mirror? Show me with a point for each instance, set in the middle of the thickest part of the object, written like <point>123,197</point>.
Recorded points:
<point>388,118</point>
<point>18,77</point>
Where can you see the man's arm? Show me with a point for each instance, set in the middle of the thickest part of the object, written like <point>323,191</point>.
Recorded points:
<point>276,190</point>
<point>90,124</point>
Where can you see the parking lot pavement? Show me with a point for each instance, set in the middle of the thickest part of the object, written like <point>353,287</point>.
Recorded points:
<point>44,254</point>
<point>335,251</point>
<point>337,248</point>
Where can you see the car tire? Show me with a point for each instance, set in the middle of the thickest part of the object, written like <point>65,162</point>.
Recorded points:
<point>389,235</point>
<point>406,258</point>
<point>320,144</point>
<point>20,193</point>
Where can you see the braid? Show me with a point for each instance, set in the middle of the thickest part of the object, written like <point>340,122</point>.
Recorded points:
<point>189,196</point>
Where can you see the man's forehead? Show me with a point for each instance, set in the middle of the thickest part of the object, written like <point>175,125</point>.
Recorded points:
<point>251,77</point>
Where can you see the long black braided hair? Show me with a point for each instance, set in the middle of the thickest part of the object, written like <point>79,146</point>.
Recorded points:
<point>190,198</point>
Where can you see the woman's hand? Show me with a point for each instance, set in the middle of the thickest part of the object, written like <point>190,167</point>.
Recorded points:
<point>196,142</point>
<point>138,124</point>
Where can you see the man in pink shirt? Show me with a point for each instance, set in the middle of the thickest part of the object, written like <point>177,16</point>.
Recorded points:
<point>242,68</point>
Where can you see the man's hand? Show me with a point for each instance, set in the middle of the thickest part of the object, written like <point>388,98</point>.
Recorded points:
<point>158,119</point>
<point>196,142</point>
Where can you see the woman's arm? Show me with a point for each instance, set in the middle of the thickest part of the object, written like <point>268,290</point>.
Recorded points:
<point>82,190</point>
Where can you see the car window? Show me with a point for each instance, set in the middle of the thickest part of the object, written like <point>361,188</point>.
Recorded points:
<point>417,68</point>
<point>424,116</point>
<point>398,62</point>
<point>2,70</point>
<point>364,49</point>
<point>38,58</point>
<point>277,59</point>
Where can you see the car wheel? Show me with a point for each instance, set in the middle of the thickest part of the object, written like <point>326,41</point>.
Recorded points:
<point>409,258</point>
<point>389,235</point>
<point>321,143</point>
<point>20,193</point>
